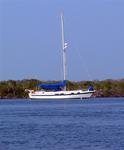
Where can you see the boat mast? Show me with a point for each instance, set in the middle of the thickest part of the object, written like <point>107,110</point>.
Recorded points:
<point>64,46</point>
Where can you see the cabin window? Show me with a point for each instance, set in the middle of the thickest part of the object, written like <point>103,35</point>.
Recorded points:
<point>62,94</point>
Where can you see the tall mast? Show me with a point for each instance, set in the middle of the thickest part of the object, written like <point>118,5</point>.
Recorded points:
<point>64,46</point>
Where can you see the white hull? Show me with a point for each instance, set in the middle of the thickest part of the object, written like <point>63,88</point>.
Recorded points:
<point>78,94</point>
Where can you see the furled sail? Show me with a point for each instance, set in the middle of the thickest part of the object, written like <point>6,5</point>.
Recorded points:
<point>53,86</point>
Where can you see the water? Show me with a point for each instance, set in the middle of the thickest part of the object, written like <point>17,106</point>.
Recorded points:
<point>95,124</point>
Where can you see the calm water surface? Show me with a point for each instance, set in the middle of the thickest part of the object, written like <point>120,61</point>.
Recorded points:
<point>94,124</point>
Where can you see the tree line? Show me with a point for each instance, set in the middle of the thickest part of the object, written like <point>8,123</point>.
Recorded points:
<point>106,88</point>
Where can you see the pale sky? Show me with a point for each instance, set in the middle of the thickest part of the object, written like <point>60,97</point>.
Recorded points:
<point>30,39</point>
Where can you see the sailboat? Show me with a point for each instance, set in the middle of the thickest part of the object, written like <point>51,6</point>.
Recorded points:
<point>59,90</point>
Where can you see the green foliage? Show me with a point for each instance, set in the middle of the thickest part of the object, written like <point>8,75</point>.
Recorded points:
<point>106,88</point>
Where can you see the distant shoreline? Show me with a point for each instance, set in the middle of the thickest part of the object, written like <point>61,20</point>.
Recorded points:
<point>28,99</point>
<point>15,89</point>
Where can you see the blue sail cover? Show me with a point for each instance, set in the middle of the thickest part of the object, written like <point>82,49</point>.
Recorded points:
<point>53,86</point>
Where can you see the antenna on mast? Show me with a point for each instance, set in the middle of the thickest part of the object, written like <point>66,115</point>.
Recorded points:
<point>64,46</point>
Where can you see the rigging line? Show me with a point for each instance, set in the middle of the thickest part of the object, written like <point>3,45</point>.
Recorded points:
<point>84,66</point>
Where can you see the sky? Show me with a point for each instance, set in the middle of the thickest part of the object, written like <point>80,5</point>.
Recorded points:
<point>30,39</point>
